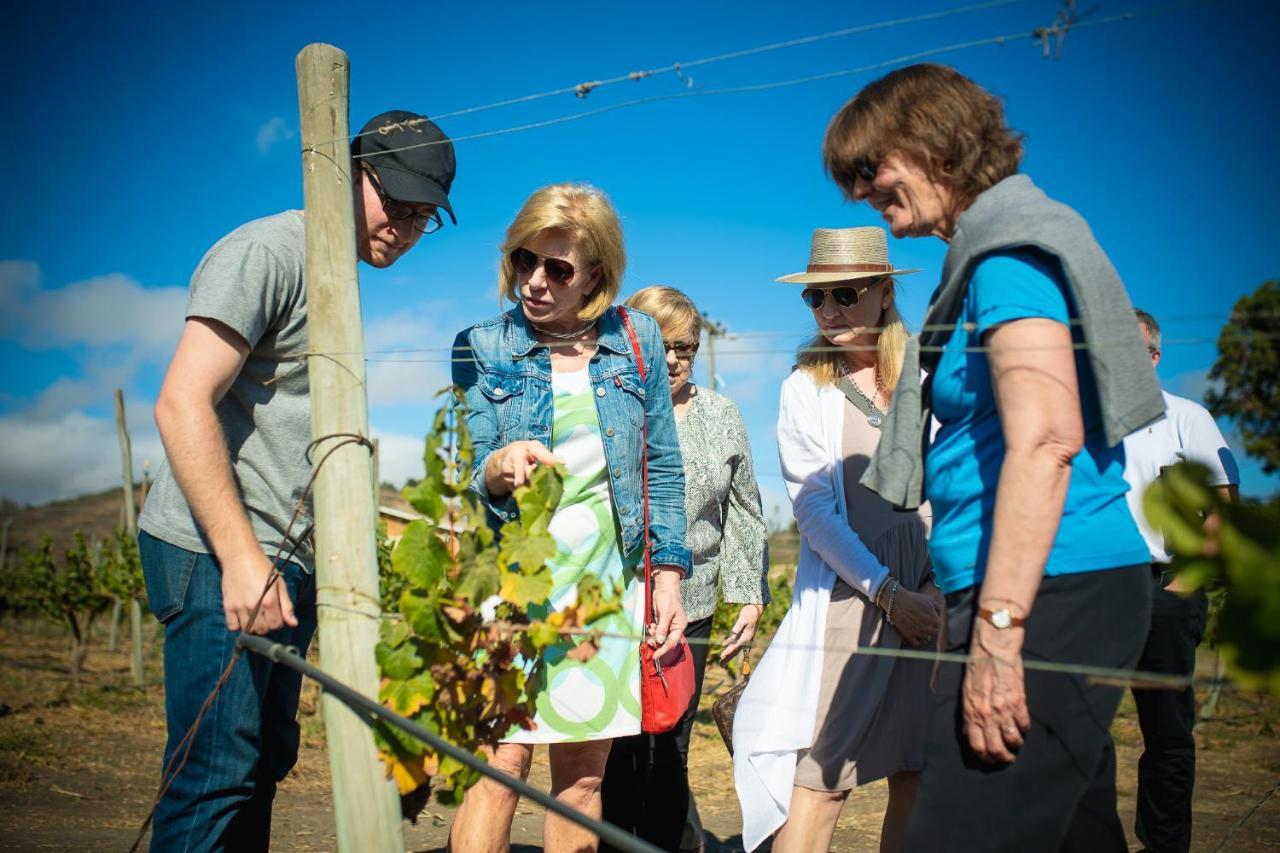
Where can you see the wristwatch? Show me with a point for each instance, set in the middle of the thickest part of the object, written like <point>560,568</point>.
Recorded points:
<point>1001,619</point>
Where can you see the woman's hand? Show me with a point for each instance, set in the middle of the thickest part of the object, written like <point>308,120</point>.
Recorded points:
<point>931,589</point>
<point>994,693</point>
<point>508,468</point>
<point>667,629</point>
<point>744,630</point>
<point>916,616</point>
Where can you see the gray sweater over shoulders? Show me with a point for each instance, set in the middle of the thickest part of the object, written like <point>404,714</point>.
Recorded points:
<point>1016,214</point>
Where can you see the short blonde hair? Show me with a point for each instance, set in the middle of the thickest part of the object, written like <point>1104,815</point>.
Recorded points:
<point>672,309</point>
<point>826,364</point>
<point>585,213</point>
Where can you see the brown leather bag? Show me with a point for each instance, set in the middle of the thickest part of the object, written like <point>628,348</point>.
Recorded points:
<point>727,703</point>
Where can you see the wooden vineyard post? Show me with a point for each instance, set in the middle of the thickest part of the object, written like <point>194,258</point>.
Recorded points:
<point>4,542</point>
<point>366,804</point>
<point>714,330</point>
<point>131,526</point>
<point>113,637</point>
<point>377,484</point>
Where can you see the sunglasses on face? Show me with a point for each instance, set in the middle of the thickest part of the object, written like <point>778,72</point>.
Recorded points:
<point>557,271</point>
<point>423,222</point>
<point>845,297</point>
<point>684,350</point>
<point>866,169</point>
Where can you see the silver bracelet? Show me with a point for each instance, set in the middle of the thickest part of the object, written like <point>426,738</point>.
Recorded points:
<point>893,594</point>
<point>885,586</point>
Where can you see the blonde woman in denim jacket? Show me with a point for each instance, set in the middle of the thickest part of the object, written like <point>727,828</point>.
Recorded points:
<point>555,380</point>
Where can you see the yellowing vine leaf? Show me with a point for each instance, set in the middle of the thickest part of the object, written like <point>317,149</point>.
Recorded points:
<point>526,590</point>
<point>442,665</point>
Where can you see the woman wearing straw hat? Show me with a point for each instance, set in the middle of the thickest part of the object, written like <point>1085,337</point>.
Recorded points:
<point>1037,372</point>
<point>818,718</point>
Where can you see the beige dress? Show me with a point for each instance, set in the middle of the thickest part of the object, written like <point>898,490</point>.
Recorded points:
<point>872,711</point>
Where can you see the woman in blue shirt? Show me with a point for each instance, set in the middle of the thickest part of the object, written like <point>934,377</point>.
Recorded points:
<point>1032,541</point>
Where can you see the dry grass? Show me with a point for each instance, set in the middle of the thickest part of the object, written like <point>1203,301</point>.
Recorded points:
<point>78,770</point>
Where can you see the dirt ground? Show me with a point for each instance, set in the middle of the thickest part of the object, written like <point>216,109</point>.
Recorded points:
<point>78,770</point>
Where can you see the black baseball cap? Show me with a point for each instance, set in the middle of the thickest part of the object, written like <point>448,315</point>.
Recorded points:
<point>413,158</point>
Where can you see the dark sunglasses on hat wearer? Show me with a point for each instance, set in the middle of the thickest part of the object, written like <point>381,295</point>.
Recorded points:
<point>845,297</point>
<point>409,161</point>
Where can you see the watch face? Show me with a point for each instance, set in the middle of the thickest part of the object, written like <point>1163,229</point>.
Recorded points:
<point>1001,619</point>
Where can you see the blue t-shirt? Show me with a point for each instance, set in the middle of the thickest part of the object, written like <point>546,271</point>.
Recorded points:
<point>962,467</point>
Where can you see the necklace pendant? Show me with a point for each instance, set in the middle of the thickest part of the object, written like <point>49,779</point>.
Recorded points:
<point>875,420</point>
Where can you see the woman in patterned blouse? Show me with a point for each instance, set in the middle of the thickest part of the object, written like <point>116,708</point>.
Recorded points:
<point>646,787</point>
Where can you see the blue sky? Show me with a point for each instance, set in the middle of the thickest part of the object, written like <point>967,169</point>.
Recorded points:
<point>139,135</point>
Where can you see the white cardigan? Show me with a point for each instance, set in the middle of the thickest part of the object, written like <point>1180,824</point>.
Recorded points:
<point>776,714</point>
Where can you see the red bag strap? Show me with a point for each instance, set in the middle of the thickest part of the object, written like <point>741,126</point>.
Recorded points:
<point>644,470</point>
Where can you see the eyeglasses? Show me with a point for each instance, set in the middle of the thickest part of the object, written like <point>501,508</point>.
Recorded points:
<point>684,350</point>
<point>866,168</point>
<point>423,223</point>
<point>557,271</point>
<point>845,297</point>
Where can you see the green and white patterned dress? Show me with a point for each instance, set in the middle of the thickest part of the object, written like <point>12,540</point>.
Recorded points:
<point>599,699</point>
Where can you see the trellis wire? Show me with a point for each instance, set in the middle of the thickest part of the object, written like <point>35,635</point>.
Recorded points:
<point>583,88</point>
<point>370,710</point>
<point>1038,34</point>
<point>745,351</point>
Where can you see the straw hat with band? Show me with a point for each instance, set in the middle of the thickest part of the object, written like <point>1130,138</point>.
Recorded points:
<point>845,254</point>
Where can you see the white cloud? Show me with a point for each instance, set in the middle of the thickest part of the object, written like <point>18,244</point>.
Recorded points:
<point>63,442</point>
<point>409,353</point>
<point>399,456</point>
<point>105,311</point>
<point>70,453</point>
<point>274,131</point>
<point>751,377</point>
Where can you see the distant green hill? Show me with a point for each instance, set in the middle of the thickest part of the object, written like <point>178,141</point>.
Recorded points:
<point>95,515</point>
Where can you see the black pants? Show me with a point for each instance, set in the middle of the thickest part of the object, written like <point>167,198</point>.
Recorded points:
<point>646,782</point>
<point>1167,769</point>
<point>1060,792</point>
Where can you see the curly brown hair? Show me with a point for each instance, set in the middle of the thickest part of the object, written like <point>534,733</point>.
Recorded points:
<point>932,114</point>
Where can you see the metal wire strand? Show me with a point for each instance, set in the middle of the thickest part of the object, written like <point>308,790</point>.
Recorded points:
<point>584,88</point>
<point>1038,35</point>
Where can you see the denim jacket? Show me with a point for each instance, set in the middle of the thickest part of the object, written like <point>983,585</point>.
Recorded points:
<point>506,375</point>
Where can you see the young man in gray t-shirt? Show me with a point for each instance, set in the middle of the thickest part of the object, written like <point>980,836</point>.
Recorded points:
<point>234,414</point>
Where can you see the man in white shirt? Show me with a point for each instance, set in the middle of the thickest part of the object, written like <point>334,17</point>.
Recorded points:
<point>1167,768</point>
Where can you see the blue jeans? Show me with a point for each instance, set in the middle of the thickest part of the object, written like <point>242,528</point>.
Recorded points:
<point>248,739</point>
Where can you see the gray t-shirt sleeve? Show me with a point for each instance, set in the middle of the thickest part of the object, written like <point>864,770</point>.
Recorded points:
<point>242,284</point>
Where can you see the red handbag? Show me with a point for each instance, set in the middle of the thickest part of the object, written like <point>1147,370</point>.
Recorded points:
<point>666,683</point>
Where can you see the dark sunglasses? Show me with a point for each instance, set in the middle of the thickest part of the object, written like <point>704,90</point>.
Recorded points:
<point>684,350</point>
<point>866,168</point>
<point>845,297</point>
<point>423,223</point>
<point>557,271</point>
